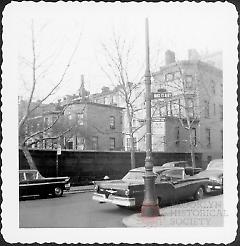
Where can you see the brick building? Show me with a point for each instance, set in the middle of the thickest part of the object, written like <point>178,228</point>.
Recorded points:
<point>97,126</point>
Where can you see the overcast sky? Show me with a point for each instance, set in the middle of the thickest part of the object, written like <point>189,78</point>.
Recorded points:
<point>58,26</point>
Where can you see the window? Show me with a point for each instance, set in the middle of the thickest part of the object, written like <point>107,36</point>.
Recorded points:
<point>80,143</point>
<point>94,142</point>
<point>112,122</point>
<point>168,76</point>
<point>46,121</point>
<point>214,109</point>
<point>188,81</point>
<point>177,136</point>
<point>80,119</point>
<point>112,143</point>
<point>208,136</point>
<point>206,109</point>
<point>213,87</point>
<point>177,75</point>
<point>69,143</point>
<point>194,136</point>
<point>221,111</point>
<point>129,144</point>
<point>190,107</point>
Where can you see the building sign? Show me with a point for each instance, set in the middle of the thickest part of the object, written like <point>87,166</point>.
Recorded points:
<point>159,95</point>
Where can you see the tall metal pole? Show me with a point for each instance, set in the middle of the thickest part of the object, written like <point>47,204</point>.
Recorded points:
<point>150,206</point>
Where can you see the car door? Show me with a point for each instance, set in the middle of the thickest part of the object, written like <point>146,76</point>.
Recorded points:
<point>164,189</point>
<point>183,185</point>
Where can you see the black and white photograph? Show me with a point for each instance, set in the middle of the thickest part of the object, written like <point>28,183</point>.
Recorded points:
<point>119,122</point>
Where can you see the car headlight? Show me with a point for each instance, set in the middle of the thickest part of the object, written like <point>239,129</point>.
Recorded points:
<point>127,192</point>
<point>96,187</point>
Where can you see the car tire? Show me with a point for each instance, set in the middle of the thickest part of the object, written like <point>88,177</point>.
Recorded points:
<point>57,191</point>
<point>199,194</point>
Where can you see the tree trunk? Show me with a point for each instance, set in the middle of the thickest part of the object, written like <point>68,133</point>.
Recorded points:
<point>28,157</point>
<point>192,148</point>
<point>133,164</point>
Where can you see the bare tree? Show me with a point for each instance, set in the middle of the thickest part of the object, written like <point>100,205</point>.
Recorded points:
<point>119,70</point>
<point>32,108</point>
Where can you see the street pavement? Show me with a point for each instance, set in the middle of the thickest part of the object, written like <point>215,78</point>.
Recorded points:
<point>73,210</point>
<point>76,209</point>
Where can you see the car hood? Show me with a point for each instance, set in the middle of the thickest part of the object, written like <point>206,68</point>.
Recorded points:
<point>210,173</point>
<point>116,184</point>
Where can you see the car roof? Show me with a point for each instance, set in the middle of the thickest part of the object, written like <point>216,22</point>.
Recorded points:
<point>155,169</point>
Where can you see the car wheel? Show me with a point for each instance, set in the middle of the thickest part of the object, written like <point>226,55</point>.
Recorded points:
<point>57,192</point>
<point>199,194</point>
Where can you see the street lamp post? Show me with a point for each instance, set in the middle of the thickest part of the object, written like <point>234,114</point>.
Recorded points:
<point>150,206</point>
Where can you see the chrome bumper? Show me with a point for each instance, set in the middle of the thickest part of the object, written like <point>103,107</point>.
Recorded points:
<point>122,201</point>
<point>214,187</point>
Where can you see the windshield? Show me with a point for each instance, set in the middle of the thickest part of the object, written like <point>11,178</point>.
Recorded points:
<point>217,164</point>
<point>133,176</point>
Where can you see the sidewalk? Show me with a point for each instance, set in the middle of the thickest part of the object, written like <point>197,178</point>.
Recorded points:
<point>208,212</point>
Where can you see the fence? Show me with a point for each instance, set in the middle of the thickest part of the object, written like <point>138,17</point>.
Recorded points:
<point>84,166</point>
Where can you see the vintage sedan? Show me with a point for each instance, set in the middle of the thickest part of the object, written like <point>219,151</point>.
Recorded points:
<point>172,185</point>
<point>31,182</point>
<point>214,172</point>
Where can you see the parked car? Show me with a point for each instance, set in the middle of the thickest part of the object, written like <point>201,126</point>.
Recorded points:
<point>172,185</point>
<point>31,182</point>
<point>214,172</point>
<point>188,168</point>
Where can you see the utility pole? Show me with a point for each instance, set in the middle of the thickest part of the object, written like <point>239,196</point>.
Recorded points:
<point>150,206</point>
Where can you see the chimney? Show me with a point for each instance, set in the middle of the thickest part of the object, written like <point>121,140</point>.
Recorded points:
<point>193,55</point>
<point>169,57</point>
